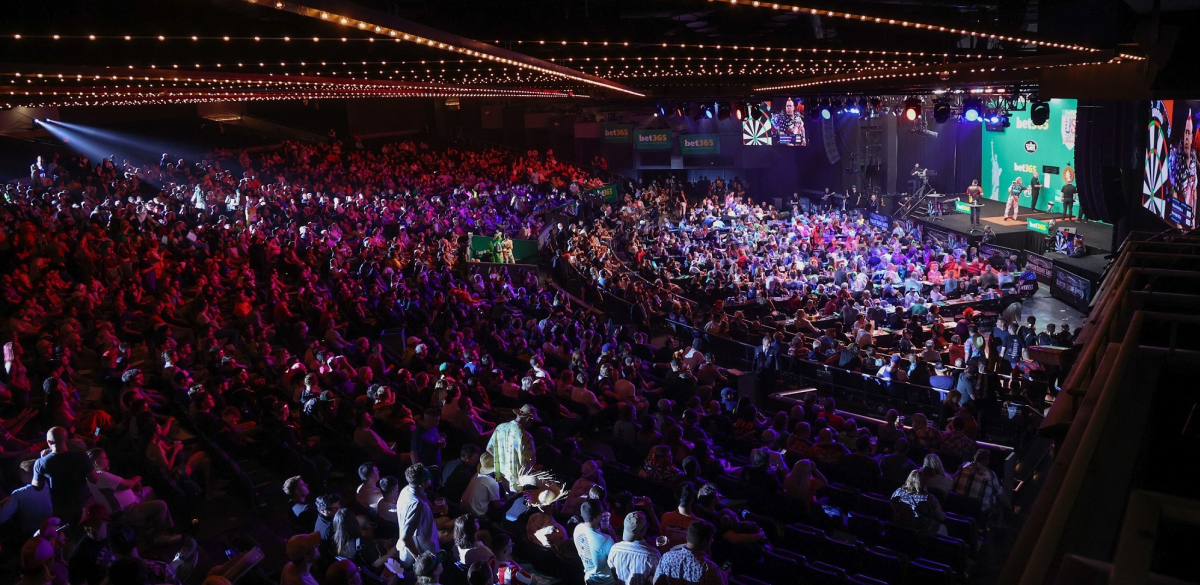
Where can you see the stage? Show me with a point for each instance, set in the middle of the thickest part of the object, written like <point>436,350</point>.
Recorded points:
<point>1015,234</point>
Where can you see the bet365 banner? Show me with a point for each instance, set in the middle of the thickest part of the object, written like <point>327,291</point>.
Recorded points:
<point>652,139</point>
<point>1024,148</point>
<point>617,133</point>
<point>700,144</point>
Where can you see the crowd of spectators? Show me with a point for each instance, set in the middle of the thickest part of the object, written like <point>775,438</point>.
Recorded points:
<point>169,328</point>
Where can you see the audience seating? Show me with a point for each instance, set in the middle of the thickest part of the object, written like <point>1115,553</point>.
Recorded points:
<point>884,564</point>
<point>819,573</point>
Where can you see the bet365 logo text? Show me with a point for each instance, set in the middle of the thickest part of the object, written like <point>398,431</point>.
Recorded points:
<point>699,143</point>
<point>1027,124</point>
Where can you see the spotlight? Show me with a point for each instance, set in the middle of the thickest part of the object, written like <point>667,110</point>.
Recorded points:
<point>707,111</point>
<point>739,111</point>
<point>912,109</point>
<point>825,114</point>
<point>662,110</point>
<point>941,111</point>
<point>994,119</point>
<point>971,110</point>
<point>1039,112</point>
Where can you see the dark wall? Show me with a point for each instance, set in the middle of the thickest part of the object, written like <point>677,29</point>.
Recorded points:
<point>954,153</point>
<point>1109,152</point>
<point>382,115</point>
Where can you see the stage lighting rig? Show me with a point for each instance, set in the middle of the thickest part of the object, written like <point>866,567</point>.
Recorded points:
<point>941,111</point>
<point>1039,112</point>
<point>972,110</point>
<point>912,109</point>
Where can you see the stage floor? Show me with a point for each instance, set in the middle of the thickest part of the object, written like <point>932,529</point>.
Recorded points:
<point>1095,234</point>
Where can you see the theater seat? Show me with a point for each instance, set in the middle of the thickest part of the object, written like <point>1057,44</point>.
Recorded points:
<point>884,564</point>
<point>745,580</point>
<point>962,528</point>
<point>903,540</point>
<point>841,553</point>
<point>876,505</point>
<point>818,573</point>
<point>803,539</point>
<point>868,529</point>
<point>843,497</point>
<point>948,551</point>
<point>865,580</point>
<point>964,506</point>
<point>925,572</point>
<point>778,567</point>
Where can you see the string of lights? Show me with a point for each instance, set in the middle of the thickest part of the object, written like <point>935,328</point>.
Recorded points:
<point>908,24</point>
<point>768,49</point>
<point>488,52</point>
<point>941,74</point>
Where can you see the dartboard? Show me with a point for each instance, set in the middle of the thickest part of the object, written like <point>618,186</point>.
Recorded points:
<point>756,132</point>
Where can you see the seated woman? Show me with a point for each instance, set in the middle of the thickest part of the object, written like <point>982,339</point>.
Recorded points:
<point>914,508</point>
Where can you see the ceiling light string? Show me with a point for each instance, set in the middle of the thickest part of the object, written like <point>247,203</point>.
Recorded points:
<point>908,24</point>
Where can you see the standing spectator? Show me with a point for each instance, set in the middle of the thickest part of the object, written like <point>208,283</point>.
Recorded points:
<point>67,473</point>
<point>593,538</point>
<point>633,560</point>
<point>511,446</point>
<point>418,532</point>
<point>689,563</point>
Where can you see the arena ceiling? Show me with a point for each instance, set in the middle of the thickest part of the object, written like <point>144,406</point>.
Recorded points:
<point>149,51</point>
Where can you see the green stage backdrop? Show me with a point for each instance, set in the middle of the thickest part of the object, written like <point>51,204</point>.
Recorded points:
<point>524,251</point>
<point>1023,147</point>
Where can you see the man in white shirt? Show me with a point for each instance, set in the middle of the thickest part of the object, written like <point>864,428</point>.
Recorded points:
<point>368,493</point>
<point>483,491</point>
<point>593,541</point>
<point>632,560</point>
<point>131,500</point>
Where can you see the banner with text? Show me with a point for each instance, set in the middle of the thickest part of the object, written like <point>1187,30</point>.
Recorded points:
<point>690,144</point>
<point>618,133</point>
<point>1042,266</point>
<point>880,221</point>
<point>988,249</point>
<point>1071,288</point>
<point>1023,148</point>
<point>652,139</point>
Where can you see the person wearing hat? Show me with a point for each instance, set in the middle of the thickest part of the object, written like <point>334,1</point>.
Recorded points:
<point>302,551</point>
<point>542,529</point>
<point>483,492</point>
<point>91,557</point>
<point>343,572</point>
<point>417,527</point>
<point>511,446</point>
<point>633,560</point>
<point>37,555</point>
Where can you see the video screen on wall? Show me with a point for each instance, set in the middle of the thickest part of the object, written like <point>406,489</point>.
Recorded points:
<point>1169,183</point>
<point>1025,148</point>
<point>777,122</point>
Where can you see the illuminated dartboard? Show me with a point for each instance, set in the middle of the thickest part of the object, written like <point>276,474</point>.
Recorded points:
<point>756,132</point>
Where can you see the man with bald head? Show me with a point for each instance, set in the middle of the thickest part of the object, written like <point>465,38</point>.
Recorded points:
<point>66,473</point>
